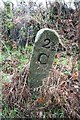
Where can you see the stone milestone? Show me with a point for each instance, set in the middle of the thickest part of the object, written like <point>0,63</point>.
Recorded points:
<point>46,42</point>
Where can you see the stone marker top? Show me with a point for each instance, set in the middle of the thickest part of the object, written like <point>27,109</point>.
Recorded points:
<point>44,30</point>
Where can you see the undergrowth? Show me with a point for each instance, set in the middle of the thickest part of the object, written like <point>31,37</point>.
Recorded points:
<point>13,62</point>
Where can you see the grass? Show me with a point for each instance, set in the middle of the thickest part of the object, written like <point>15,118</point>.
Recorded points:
<point>12,60</point>
<point>16,113</point>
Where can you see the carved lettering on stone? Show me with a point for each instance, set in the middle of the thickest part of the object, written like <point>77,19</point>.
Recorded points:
<point>44,50</point>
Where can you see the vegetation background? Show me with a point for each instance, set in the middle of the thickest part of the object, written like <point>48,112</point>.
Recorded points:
<point>59,95</point>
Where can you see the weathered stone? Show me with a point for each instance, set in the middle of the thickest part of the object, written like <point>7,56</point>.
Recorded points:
<point>43,56</point>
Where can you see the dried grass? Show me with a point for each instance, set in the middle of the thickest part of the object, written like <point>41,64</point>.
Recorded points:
<point>63,88</point>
